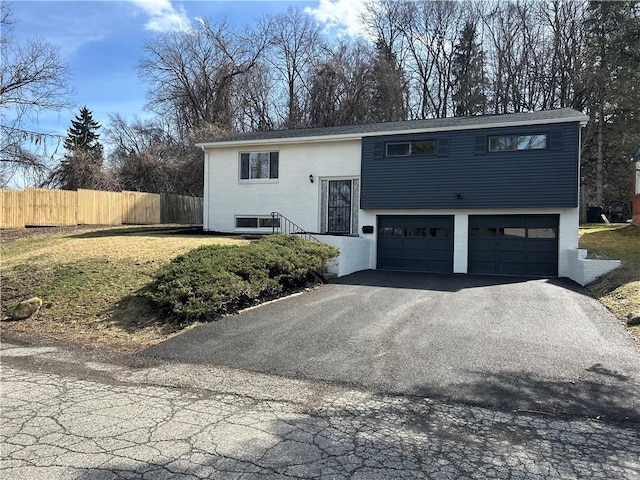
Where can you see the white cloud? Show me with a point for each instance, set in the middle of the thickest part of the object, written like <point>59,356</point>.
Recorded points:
<point>164,17</point>
<point>343,15</point>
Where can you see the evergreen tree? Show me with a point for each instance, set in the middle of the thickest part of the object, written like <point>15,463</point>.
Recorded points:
<point>389,86</point>
<point>82,165</point>
<point>612,80</point>
<point>468,74</point>
<point>82,133</point>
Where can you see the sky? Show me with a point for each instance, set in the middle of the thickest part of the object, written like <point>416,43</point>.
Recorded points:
<point>103,41</point>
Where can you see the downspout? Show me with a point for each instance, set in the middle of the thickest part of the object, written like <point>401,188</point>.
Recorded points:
<point>206,195</point>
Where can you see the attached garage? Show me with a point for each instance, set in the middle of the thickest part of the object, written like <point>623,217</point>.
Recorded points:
<point>514,244</point>
<point>415,242</point>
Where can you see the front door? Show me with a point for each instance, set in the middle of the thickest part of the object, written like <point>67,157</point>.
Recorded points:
<point>339,207</point>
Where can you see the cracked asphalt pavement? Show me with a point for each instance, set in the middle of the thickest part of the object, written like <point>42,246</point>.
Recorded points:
<point>76,415</point>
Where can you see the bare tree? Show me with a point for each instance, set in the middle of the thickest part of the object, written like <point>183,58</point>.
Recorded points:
<point>146,156</point>
<point>564,22</point>
<point>429,31</point>
<point>518,55</point>
<point>256,97</point>
<point>342,89</point>
<point>191,74</point>
<point>33,79</point>
<point>295,44</point>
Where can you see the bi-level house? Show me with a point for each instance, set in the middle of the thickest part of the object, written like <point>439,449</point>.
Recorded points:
<point>495,194</point>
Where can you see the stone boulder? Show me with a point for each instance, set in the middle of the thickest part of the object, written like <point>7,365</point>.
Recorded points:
<point>633,318</point>
<point>26,309</point>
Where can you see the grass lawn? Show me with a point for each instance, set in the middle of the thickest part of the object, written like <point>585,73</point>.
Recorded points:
<point>86,278</point>
<point>620,289</point>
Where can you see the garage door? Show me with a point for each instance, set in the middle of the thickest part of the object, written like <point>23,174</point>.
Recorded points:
<point>420,243</point>
<point>514,244</point>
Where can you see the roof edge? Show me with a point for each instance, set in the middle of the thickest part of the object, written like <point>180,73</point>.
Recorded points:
<point>581,118</point>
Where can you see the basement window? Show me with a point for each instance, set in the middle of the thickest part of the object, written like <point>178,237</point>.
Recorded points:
<point>257,222</point>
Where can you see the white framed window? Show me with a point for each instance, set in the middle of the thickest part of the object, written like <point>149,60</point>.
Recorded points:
<point>259,165</point>
<point>506,143</point>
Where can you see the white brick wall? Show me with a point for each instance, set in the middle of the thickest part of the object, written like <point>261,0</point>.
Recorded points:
<point>292,194</point>
<point>585,270</point>
<point>354,253</point>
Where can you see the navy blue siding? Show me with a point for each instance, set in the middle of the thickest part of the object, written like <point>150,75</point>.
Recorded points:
<point>468,176</point>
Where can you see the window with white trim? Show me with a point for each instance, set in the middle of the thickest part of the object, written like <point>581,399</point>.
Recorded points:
<point>259,165</point>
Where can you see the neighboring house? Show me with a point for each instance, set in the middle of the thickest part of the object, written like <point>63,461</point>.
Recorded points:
<point>636,187</point>
<point>495,194</point>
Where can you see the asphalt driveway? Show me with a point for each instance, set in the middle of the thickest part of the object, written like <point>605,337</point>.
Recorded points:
<point>536,345</point>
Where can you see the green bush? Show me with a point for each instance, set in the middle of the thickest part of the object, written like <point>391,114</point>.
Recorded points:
<point>213,280</point>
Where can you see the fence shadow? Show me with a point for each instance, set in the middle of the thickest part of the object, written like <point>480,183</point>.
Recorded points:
<point>134,230</point>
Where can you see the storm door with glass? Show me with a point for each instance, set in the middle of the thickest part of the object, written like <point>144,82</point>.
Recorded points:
<point>339,207</point>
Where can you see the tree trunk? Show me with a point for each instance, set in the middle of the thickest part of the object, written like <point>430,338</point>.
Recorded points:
<point>600,161</point>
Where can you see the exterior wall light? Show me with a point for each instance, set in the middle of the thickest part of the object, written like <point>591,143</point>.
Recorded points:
<point>311,177</point>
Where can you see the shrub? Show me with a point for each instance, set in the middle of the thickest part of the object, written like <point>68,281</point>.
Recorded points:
<point>214,280</point>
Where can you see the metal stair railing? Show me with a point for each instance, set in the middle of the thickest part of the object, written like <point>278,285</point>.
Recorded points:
<point>282,225</point>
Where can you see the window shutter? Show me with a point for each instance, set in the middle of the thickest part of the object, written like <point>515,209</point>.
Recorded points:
<point>555,140</point>
<point>274,158</point>
<point>324,195</point>
<point>244,166</point>
<point>481,145</point>
<point>355,205</point>
<point>443,147</point>
<point>378,150</point>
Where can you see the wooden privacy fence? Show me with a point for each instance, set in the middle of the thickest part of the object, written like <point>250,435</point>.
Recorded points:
<point>140,208</point>
<point>43,207</point>
<point>11,209</point>
<point>180,209</point>
<point>99,208</point>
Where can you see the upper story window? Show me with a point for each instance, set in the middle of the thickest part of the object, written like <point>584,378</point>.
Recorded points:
<point>259,165</point>
<point>505,143</point>
<point>411,149</point>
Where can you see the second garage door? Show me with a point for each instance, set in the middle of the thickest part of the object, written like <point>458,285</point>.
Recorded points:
<point>415,242</point>
<point>514,244</point>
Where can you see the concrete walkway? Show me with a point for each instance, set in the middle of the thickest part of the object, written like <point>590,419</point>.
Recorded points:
<point>70,415</point>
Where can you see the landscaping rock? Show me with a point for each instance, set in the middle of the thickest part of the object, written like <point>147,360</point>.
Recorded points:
<point>633,318</point>
<point>26,309</point>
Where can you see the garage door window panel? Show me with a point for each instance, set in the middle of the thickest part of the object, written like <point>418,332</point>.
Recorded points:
<point>541,233</point>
